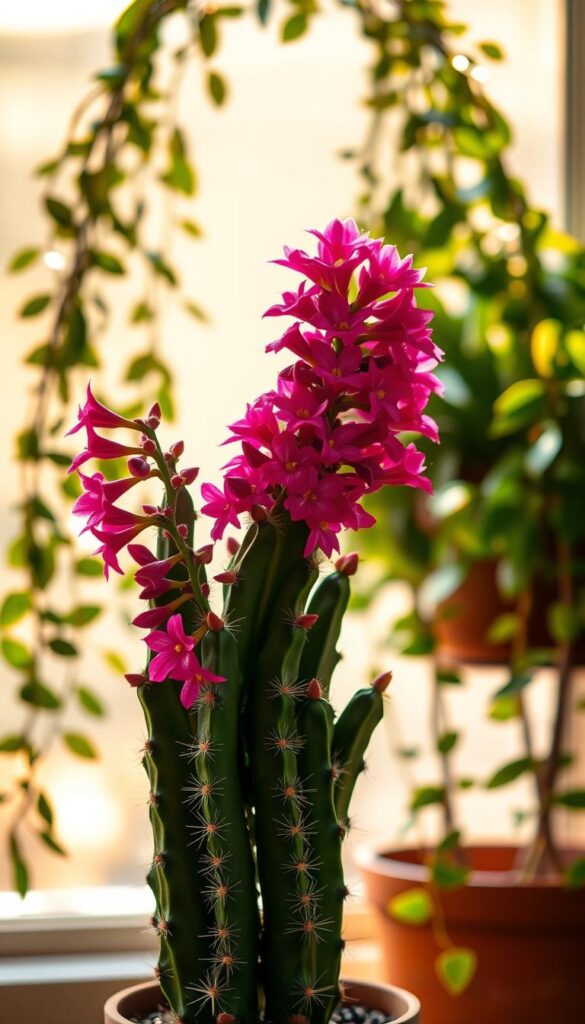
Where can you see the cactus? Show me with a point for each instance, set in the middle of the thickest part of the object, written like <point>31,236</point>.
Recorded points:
<point>250,775</point>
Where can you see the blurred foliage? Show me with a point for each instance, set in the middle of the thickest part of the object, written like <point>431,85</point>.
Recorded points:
<point>509,303</point>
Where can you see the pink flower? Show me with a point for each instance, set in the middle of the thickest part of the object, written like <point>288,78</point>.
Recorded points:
<point>112,543</point>
<point>192,686</point>
<point>94,414</point>
<point>175,658</point>
<point>220,506</point>
<point>101,448</point>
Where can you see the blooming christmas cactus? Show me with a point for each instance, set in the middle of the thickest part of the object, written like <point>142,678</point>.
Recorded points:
<point>250,775</point>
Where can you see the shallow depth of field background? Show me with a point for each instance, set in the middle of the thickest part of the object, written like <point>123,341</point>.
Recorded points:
<point>269,168</point>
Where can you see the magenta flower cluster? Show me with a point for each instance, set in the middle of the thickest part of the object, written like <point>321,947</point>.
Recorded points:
<point>328,434</point>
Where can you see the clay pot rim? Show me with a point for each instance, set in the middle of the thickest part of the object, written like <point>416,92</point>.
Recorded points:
<point>409,1010</point>
<point>381,860</point>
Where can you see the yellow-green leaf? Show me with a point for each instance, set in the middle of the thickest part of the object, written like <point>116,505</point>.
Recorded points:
<point>456,968</point>
<point>413,906</point>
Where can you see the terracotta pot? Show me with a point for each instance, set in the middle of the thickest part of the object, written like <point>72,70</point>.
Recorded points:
<point>529,940</point>
<point>402,1007</point>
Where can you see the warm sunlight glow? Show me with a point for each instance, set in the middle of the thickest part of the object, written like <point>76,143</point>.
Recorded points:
<point>89,818</point>
<point>33,17</point>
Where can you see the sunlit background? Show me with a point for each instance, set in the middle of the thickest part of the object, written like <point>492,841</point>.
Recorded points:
<point>269,168</point>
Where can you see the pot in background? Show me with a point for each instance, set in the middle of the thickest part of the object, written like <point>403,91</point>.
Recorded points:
<point>529,941</point>
<point>140,1000</point>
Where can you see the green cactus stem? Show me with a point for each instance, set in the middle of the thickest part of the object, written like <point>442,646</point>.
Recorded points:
<point>351,735</point>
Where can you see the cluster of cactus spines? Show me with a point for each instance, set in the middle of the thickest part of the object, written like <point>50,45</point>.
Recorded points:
<point>250,776</point>
<point>256,778</point>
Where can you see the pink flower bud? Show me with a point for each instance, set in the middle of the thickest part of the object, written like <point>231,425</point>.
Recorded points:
<point>148,446</point>
<point>204,555</point>
<point>347,564</point>
<point>214,622</point>
<point>225,1018</point>
<point>233,546</point>
<point>151,510</point>
<point>382,682</point>
<point>141,554</point>
<point>177,449</point>
<point>153,416</point>
<point>183,530</point>
<point>190,474</point>
<point>314,691</point>
<point>138,467</point>
<point>176,481</point>
<point>258,514</point>
<point>205,589</point>
<point>228,577</point>
<point>135,679</point>
<point>168,511</point>
<point>306,621</point>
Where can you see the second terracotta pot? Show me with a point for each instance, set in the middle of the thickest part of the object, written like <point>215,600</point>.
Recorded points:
<point>529,940</point>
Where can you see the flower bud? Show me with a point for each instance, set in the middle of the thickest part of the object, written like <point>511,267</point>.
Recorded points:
<point>233,546</point>
<point>214,622</point>
<point>190,474</point>
<point>176,481</point>
<point>177,449</point>
<point>228,577</point>
<point>225,1018</point>
<point>153,416</point>
<point>205,589</point>
<point>135,679</point>
<point>347,564</point>
<point>306,621</point>
<point>151,510</point>
<point>148,446</point>
<point>382,681</point>
<point>204,555</point>
<point>183,530</point>
<point>314,691</point>
<point>138,467</point>
<point>258,514</point>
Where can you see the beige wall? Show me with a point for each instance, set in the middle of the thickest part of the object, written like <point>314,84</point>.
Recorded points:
<point>268,169</point>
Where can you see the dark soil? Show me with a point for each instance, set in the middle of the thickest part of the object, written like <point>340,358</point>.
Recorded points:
<point>356,1014</point>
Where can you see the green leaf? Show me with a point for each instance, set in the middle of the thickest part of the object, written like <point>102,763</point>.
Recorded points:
<point>49,840</point>
<point>23,259</point>
<point>448,875</point>
<point>543,452</point>
<point>208,34</point>
<point>425,796</point>
<point>517,682</point>
<point>83,615</point>
<point>40,696</point>
<point>59,212</point>
<point>19,868</point>
<point>142,313</point>
<point>90,702</point>
<point>413,906</point>
<point>518,406</point>
<point>44,809</point>
<point>503,709</point>
<point>294,28</point>
<point>161,268</point>
<point>445,677</point>
<point>575,874</point>
<point>16,654</point>
<point>263,10</point>
<point>35,305</point>
<point>217,88</point>
<point>492,50</point>
<point>63,648</point>
<point>503,628</point>
<point>441,584</point>
<point>510,772</point>
<point>80,745</point>
<point>456,968</point>
<point>196,311</point>
<point>89,567</point>
<point>544,345</point>
<point>575,346</point>
<point>192,228</point>
<point>447,742</point>
<point>572,799</point>
<point>108,262</point>
<point>565,622</point>
<point>12,744</point>
<point>180,174</point>
<point>450,842</point>
<point>14,607</point>
<point>115,661</point>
